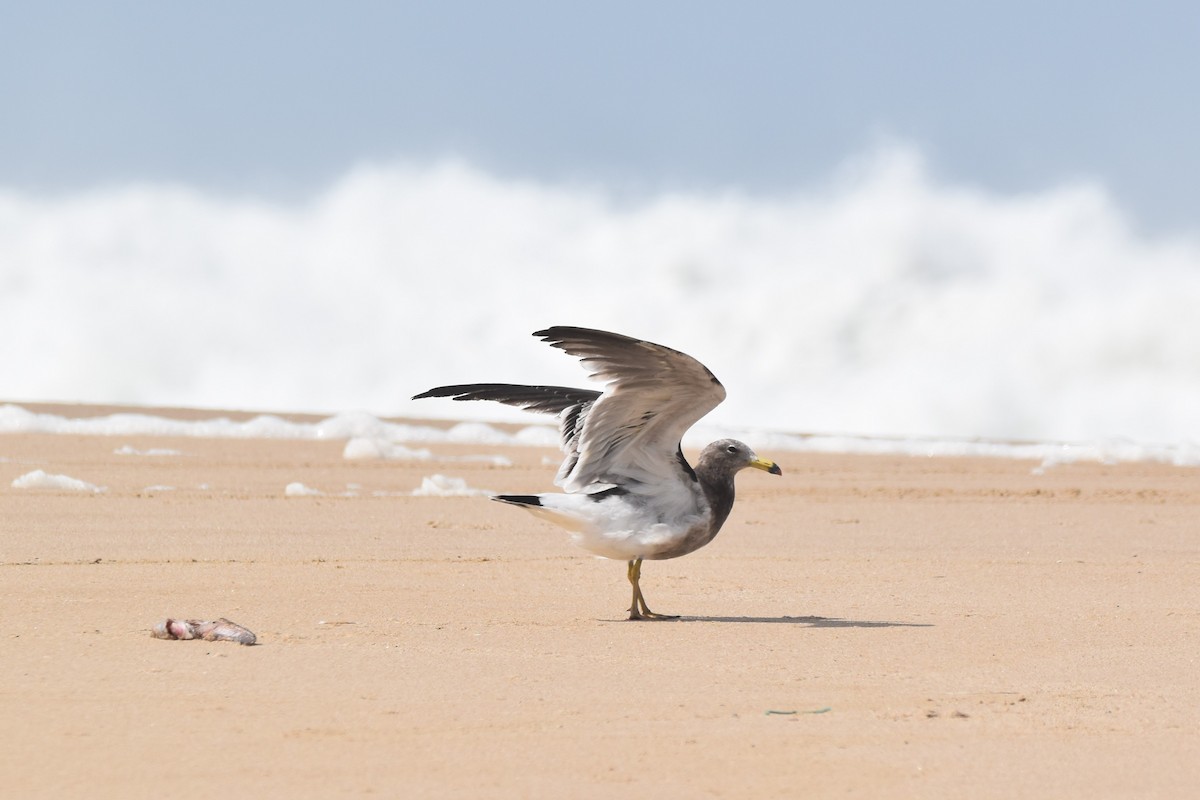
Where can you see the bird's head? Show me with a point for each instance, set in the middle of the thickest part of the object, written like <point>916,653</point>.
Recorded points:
<point>730,456</point>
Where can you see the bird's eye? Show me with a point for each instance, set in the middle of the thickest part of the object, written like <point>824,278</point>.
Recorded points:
<point>731,449</point>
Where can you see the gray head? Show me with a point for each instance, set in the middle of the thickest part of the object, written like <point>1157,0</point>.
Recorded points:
<point>727,457</point>
<point>718,463</point>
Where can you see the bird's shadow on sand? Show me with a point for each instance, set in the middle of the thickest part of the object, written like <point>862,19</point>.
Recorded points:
<point>811,622</point>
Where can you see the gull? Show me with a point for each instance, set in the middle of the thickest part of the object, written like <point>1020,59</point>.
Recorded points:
<point>628,492</point>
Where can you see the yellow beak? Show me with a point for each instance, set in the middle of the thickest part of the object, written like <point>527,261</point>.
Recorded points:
<point>766,466</point>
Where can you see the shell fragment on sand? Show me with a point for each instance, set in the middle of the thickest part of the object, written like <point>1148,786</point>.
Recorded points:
<point>219,630</point>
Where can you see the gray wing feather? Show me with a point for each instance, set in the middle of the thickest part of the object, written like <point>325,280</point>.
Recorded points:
<point>653,395</point>
<point>630,432</point>
<point>571,406</point>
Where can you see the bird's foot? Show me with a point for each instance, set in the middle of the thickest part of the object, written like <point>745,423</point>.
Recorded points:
<point>636,614</point>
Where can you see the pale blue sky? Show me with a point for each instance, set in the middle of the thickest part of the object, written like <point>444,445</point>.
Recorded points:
<point>281,97</point>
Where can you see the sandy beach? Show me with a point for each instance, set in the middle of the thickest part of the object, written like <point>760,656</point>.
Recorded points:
<point>863,626</point>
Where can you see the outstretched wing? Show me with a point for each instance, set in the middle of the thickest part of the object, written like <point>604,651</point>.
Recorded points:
<point>550,399</point>
<point>631,432</point>
<point>571,405</point>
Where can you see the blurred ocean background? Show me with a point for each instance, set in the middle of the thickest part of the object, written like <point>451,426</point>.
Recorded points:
<point>884,279</point>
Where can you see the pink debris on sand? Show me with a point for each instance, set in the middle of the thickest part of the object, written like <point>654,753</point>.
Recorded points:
<point>218,630</point>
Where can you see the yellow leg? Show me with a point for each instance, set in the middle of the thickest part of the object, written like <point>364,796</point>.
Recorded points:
<point>638,609</point>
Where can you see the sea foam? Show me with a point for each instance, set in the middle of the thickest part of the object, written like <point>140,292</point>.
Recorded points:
<point>391,440</point>
<point>40,479</point>
<point>447,486</point>
<point>881,301</point>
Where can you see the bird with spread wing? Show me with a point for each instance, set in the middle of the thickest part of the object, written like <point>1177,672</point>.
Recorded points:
<point>629,492</point>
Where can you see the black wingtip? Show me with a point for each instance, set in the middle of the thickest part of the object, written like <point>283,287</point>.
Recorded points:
<point>463,391</point>
<point>556,334</point>
<point>558,330</point>
<point>443,391</point>
<point>518,499</point>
